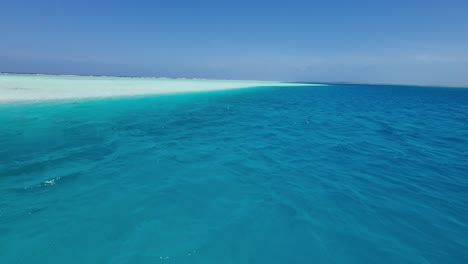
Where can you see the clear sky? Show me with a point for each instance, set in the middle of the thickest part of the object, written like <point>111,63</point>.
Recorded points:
<point>394,41</point>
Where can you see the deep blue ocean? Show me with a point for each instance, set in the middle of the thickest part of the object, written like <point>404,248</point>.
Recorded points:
<point>332,174</point>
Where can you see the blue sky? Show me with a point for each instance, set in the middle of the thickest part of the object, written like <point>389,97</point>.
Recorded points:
<point>398,41</point>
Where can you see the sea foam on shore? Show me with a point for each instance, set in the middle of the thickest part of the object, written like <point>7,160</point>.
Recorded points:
<point>22,87</point>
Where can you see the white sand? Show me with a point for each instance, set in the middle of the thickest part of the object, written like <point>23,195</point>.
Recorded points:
<point>19,87</point>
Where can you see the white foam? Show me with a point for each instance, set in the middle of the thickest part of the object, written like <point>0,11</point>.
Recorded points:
<point>21,87</point>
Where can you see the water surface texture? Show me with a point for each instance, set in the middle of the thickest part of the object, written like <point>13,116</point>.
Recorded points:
<point>319,174</point>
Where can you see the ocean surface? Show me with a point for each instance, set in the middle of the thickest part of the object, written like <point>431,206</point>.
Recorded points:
<point>319,174</point>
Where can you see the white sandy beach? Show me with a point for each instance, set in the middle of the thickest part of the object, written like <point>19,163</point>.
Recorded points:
<point>22,87</point>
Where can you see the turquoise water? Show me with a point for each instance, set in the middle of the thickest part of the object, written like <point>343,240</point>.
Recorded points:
<point>333,174</point>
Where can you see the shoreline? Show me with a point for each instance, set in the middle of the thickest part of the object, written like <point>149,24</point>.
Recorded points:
<point>44,87</point>
<point>324,83</point>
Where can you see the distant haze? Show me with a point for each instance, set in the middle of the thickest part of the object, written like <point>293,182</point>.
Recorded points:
<point>400,41</point>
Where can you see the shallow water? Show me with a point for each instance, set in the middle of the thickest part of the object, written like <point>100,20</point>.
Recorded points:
<point>31,87</point>
<point>333,174</point>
